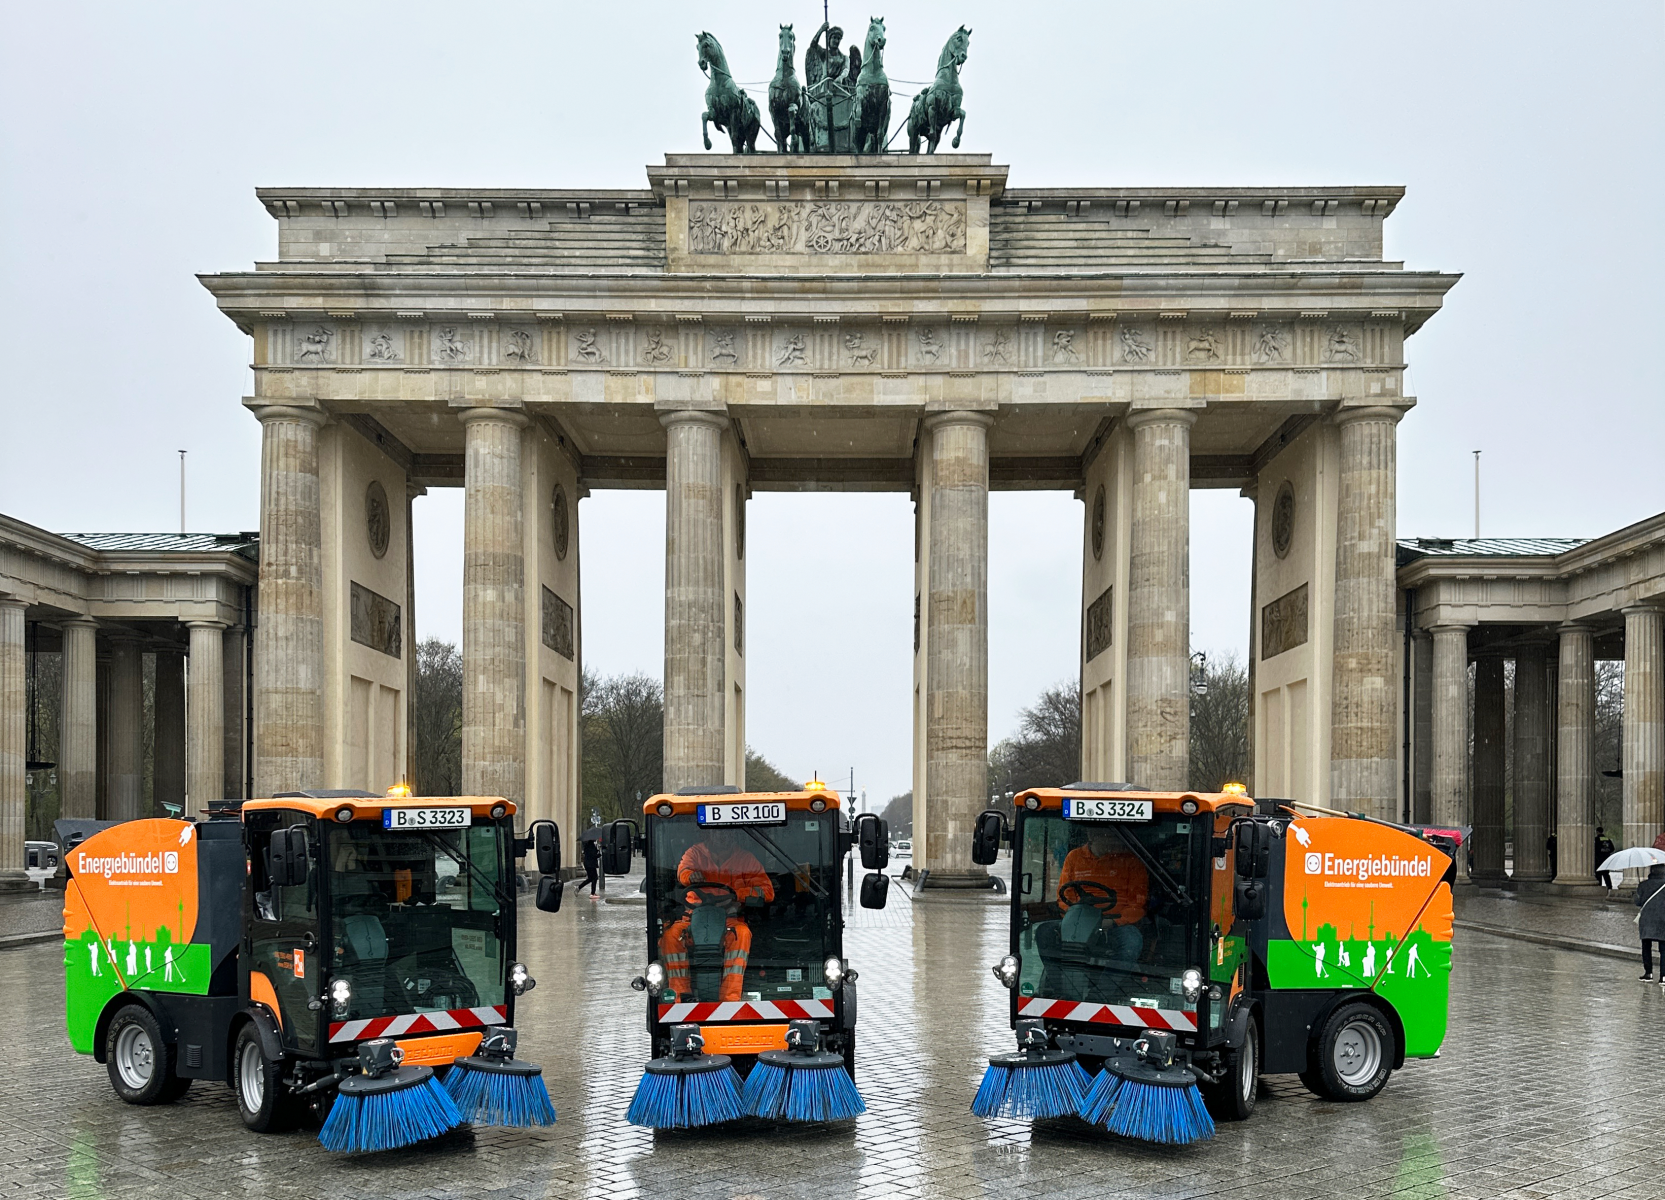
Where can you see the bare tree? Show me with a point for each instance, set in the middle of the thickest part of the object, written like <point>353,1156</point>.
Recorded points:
<point>1220,725</point>
<point>1046,749</point>
<point>1609,723</point>
<point>623,727</point>
<point>898,815</point>
<point>763,776</point>
<point>436,756</point>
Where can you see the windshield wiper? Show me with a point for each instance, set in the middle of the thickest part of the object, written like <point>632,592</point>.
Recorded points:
<point>1152,867</point>
<point>807,878</point>
<point>504,899</point>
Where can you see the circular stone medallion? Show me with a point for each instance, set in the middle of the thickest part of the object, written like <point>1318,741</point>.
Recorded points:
<point>378,521</point>
<point>1283,520</point>
<point>558,515</point>
<point>1098,523</point>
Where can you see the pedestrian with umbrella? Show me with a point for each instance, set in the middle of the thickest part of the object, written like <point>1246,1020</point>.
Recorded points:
<point>590,843</point>
<point>1650,920</point>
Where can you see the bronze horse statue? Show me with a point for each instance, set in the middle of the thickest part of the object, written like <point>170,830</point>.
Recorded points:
<point>726,106</point>
<point>870,118</point>
<point>937,107</point>
<point>788,107</point>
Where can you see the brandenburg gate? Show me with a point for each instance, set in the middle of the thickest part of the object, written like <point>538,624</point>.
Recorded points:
<point>801,322</point>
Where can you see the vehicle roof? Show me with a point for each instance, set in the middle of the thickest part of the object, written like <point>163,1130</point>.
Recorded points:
<point>368,807</point>
<point>1164,801</point>
<point>795,801</point>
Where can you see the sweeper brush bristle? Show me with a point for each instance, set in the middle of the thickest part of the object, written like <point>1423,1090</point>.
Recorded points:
<point>511,1094</point>
<point>685,1099</point>
<point>1015,1088</point>
<point>398,1109</point>
<point>805,1090</point>
<point>1162,1113</point>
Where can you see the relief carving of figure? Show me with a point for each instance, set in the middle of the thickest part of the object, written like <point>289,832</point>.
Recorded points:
<point>517,346</point>
<point>1135,349</point>
<point>827,227</point>
<point>1203,346</point>
<point>587,350</point>
<point>792,352</point>
<point>654,349</point>
<point>314,346</point>
<point>998,348</point>
<point>1341,346</point>
<point>929,345</point>
<point>1063,346</point>
<point>382,350</point>
<point>448,346</point>
<point>722,348</point>
<point>1271,344</point>
<point>860,354</point>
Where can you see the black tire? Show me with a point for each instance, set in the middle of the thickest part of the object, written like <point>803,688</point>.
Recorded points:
<point>1355,1053</point>
<point>1233,1098</point>
<point>139,1061</point>
<point>262,1100</point>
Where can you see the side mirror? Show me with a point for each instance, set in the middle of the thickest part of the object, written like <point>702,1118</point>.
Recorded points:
<point>1253,849</point>
<point>1249,899</point>
<point>546,841</point>
<point>549,894</point>
<point>288,857</point>
<point>986,837</point>
<point>615,848</point>
<point>875,890</point>
<point>873,836</point>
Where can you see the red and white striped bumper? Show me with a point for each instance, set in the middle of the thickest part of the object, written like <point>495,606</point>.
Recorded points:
<point>746,1010</point>
<point>431,1022</point>
<point>1109,1014</point>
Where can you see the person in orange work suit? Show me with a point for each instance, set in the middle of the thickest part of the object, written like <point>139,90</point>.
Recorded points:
<point>1104,860</point>
<point>736,869</point>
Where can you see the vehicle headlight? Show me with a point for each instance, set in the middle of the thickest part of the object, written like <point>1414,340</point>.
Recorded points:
<point>1006,970</point>
<point>341,995</point>
<point>655,976</point>
<point>833,970</point>
<point>1192,983</point>
<point>520,979</point>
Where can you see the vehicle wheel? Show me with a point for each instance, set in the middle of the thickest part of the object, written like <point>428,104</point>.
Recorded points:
<point>1233,1098</point>
<point>1355,1053</point>
<point>261,1099</point>
<point>139,1061</point>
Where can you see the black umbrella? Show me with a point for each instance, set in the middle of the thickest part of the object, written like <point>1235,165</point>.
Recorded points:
<point>592,834</point>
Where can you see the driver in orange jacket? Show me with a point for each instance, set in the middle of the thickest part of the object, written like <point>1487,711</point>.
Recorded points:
<point>1104,860</point>
<point>736,869</point>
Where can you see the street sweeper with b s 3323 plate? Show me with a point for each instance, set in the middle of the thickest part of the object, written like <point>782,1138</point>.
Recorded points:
<point>751,1004</point>
<point>1183,943</point>
<point>323,953</point>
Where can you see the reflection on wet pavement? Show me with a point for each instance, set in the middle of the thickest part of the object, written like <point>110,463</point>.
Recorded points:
<point>1544,1089</point>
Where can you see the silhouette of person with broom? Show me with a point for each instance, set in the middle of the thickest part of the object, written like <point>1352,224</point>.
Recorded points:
<point>741,873</point>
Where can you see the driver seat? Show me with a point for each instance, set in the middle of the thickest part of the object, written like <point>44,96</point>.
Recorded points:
<point>707,927</point>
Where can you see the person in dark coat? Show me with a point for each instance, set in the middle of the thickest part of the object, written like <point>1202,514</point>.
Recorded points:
<point>592,859</point>
<point>1604,849</point>
<point>1650,922</point>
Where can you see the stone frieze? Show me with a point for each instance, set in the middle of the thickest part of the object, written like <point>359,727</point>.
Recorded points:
<point>830,227</point>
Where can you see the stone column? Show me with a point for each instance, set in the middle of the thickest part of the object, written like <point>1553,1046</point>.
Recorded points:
<point>1644,725</point>
<point>1159,601</point>
<point>1422,724</point>
<point>1531,765</point>
<point>168,741</point>
<point>234,701</point>
<point>14,735</point>
<point>1450,798</point>
<point>412,666</point>
<point>205,718</point>
<point>1364,686</point>
<point>494,607</point>
<point>1575,766</point>
<point>127,700</point>
<point>1488,771</point>
<point>694,624</point>
<point>78,725</point>
<point>957,642</point>
<point>289,637</point>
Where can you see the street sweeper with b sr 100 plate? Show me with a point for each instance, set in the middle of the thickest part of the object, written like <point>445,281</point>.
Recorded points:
<point>323,953</point>
<point>751,1004</point>
<point>1183,943</point>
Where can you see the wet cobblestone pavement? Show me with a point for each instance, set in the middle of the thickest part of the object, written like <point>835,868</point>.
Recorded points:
<point>1550,1086</point>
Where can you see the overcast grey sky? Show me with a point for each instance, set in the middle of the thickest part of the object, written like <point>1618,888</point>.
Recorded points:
<point>1529,136</point>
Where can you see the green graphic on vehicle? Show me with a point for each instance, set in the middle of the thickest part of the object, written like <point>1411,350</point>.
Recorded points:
<point>1412,973</point>
<point>97,969</point>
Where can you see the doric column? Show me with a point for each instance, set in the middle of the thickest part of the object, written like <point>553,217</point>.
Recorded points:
<point>167,757</point>
<point>14,750</point>
<point>1364,686</point>
<point>957,641</point>
<point>694,625</point>
<point>1575,766</point>
<point>1450,798</point>
<point>412,666</point>
<point>1488,770</point>
<point>234,700</point>
<point>127,701</point>
<point>494,607</point>
<point>78,725</point>
<point>289,636</point>
<point>1644,725</point>
<point>1531,832</point>
<point>205,717</point>
<point>1159,601</point>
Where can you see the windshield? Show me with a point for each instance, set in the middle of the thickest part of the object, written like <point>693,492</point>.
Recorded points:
<point>745,912</point>
<point>417,918</point>
<point>1105,912</point>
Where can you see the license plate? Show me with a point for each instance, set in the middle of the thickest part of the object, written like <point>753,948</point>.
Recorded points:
<point>1107,810</point>
<point>771,813</point>
<point>425,818</point>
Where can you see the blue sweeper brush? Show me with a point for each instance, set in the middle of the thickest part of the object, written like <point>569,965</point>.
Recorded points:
<point>687,1088</point>
<point>1037,1081</point>
<point>493,1087</point>
<point>1147,1094</point>
<point>385,1105</point>
<point>802,1082</point>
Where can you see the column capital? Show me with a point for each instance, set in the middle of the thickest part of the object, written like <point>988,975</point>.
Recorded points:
<point>1160,416</point>
<point>68,621</point>
<point>7,600</point>
<point>1647,606</point>
<point>694,416</point>
<point>507,416</point>
<point>1451,627</point>
<point>1368,412</point>
<point>316,417</point>
<point>1584,627</point>
<point>958,416</point>
<point>205,625</point>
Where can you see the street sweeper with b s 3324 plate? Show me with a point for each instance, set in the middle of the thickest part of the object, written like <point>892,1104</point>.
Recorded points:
<point>1182,944</point>
<point>751,1004</point>
<point>323,953</point>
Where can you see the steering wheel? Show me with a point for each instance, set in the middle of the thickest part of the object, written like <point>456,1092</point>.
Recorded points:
<point>699,895</point>
<point>1086,891</point>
